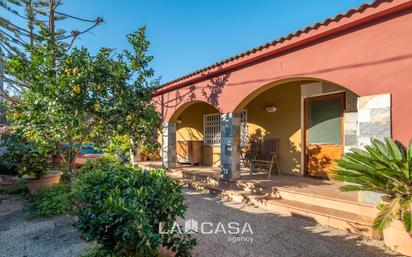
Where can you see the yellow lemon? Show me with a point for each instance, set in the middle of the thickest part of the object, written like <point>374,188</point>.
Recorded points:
<point>75,70</point>
<point>129,117</point>
<point>76,89</point>
<point>16,115</point>
<point>96,106</point>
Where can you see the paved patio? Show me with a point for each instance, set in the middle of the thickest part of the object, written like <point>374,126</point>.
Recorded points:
<point>306,185</point>
<point>273,234</point>
<point>316,199</point>
<point>52,237</point>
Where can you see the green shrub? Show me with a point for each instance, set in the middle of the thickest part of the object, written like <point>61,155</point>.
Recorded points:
<point>386,168</point>
<point>54,200</point>
<point>121,206</point>
<point>27,157</point>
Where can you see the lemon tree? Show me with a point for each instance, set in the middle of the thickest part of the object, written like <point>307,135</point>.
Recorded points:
<point>74,98</point>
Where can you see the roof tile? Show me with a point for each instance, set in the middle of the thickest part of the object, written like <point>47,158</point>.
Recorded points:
<point>290,36</point>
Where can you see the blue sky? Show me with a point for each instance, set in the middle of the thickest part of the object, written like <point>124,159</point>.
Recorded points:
<point>186,35</point>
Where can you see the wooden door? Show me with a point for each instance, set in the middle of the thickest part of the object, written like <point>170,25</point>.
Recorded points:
<point>323,133</point>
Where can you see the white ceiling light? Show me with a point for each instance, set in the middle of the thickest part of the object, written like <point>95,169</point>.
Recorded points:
<point>270,109</point>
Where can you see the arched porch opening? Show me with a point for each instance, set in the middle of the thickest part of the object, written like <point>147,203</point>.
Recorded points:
<point>314,120</point>
<point>197,134</point>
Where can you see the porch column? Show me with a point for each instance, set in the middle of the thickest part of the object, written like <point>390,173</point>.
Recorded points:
<point>374,118</point>
<point>374,122</point>
<point>230,146</point>
<point>169,145</point>
<point>350,128</point>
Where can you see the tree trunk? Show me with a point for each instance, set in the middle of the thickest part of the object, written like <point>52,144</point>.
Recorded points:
<point>51,20</point>
<point>30,20</point>
<point>72,160</point>
<point>52,32</point>
<point>71,165</point>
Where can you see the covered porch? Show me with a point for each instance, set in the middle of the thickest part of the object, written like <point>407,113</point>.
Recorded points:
<point>313,122</point>
<point>261,183</point>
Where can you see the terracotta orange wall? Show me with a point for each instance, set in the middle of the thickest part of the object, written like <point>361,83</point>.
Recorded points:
<point>373,58</point>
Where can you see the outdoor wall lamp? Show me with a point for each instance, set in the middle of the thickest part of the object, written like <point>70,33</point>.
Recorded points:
<point>178,121</point>
<point>270,109</point>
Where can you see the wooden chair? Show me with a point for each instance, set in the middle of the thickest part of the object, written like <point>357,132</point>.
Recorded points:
<point>267,158</point>
<point>251,151</point>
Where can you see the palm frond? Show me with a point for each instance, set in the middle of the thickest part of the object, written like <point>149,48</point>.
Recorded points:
<point>386,214</point>
<point>407,216</point>
<point>394,149</point>
<point>409,156</point>
<point>382,167</point>
<point>409,162</point>
<point>350,188</point>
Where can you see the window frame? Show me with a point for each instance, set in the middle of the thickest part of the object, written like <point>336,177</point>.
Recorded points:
<point>209,127</point>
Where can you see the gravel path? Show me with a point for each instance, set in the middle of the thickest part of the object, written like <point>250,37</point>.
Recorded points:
<point>19,237</point>
<point>273,235</point>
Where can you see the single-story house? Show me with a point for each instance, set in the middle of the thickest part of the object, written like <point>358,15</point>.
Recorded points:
<point>321,91</point>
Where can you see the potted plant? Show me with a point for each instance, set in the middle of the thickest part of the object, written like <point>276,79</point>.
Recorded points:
<point>31,162</point>
<point>34,169</point>
<point>384,168</point>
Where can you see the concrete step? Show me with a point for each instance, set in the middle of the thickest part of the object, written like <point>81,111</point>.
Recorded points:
<point>314,199</point>
<point>348,221</point>
<point>288,194</point>
<point>340,219</point>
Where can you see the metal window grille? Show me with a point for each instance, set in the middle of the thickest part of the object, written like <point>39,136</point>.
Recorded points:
<point>211,129</point>
<point>243,128</point>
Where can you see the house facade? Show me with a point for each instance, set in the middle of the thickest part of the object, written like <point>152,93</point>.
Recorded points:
<point>321,91</point>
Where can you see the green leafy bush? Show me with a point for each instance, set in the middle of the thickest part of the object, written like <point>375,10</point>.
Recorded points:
<point>29,158</point>
<point>50,201</point>
<point>121,207</point>
<point>386,168</point>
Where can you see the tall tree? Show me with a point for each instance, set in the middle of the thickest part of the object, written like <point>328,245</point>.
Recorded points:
<point>34,14</point>
<point>12,36</point>
<point>76,98</point>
